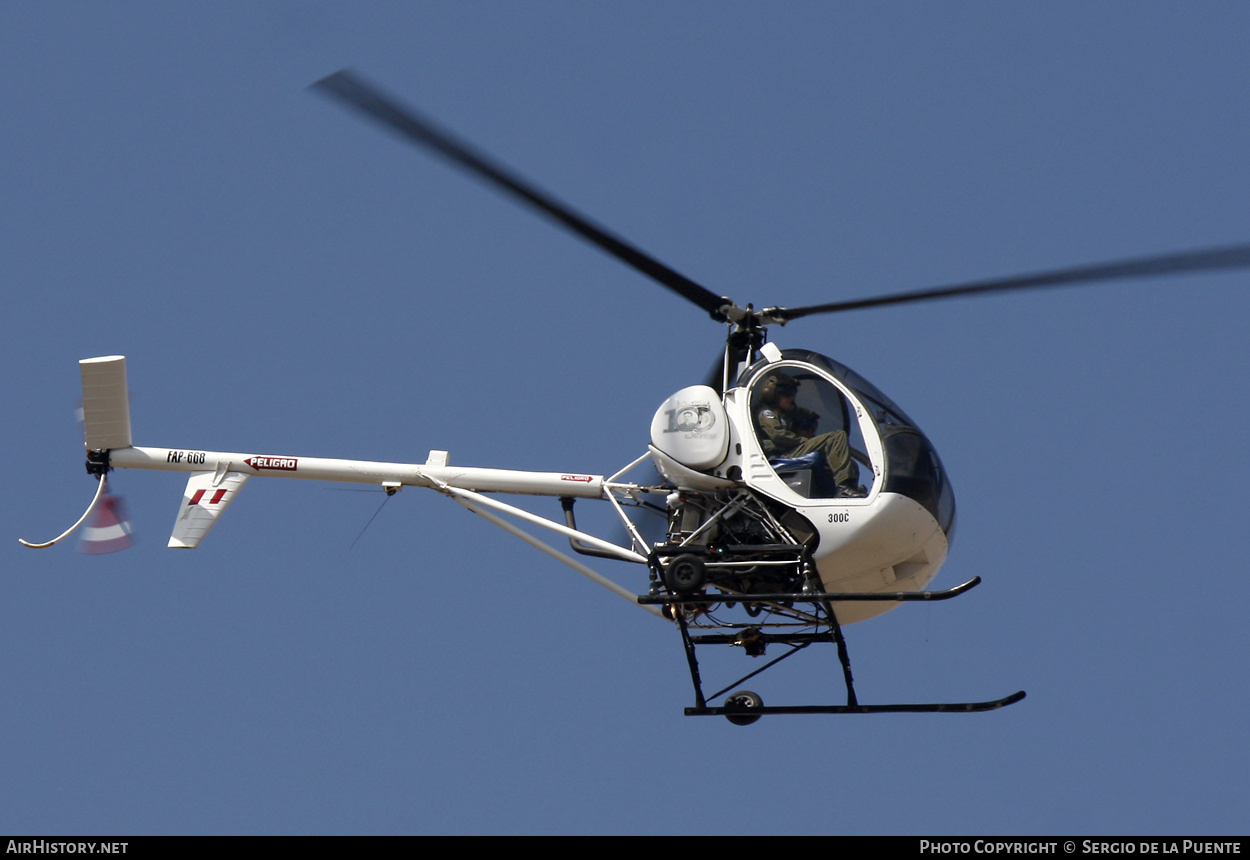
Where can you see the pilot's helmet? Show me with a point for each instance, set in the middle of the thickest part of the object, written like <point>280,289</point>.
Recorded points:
<point>775,386</point>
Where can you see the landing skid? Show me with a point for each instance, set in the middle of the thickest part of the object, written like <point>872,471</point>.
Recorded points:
<point>744,707</point>
<point>809,597</point>
<point>937,708</point>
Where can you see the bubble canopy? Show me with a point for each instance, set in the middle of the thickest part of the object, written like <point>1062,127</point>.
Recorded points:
<point>836,395</point>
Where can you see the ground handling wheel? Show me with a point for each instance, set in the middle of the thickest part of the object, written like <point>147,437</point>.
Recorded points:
<point>742,702</point>
<point>685,574</point>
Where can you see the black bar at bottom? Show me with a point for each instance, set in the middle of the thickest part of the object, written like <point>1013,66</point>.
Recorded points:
<point>939,708</point>
<point>800,597</point>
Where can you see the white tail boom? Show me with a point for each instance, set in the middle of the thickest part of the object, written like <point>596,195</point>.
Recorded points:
<point>217,476</point>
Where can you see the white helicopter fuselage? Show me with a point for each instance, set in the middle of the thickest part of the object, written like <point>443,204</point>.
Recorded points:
<point>875,541</point>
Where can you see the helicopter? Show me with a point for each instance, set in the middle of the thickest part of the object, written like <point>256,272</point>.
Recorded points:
<point>795,497</point>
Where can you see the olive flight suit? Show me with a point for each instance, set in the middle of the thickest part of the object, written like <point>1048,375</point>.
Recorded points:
<point>781,437</point>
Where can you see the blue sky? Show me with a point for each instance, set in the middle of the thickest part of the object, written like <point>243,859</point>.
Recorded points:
<point>286,279</point>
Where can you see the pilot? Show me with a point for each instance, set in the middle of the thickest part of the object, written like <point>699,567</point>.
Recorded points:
<point>788,430</point>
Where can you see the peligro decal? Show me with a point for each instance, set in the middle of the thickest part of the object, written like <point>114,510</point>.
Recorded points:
<point>286,464</point>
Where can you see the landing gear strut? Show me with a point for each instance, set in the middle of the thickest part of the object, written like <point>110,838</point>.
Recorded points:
<point>742,708</point>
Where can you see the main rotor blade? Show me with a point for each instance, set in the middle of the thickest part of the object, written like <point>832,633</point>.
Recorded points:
<point>1211,259</point>
<point>368,99</point>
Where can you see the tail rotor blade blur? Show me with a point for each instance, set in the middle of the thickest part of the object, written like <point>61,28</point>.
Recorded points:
<point>109,529</point>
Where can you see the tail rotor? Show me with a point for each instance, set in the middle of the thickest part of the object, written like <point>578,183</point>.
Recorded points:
<point>105,417</point>
<point>109,529</point>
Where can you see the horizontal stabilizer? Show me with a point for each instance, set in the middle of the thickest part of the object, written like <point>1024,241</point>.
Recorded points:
<point>105,407</point>
<point>207,496</point>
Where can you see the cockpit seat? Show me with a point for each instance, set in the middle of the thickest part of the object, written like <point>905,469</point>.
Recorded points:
<point>797,472</point>
<point>783,465</point>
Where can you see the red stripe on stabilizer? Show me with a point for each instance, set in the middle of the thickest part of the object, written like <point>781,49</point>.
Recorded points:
<point>217,496</point>
<point>195,500</point>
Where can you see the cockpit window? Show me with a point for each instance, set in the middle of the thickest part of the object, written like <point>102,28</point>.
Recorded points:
<point>910,464</point>
<point>806,430</point>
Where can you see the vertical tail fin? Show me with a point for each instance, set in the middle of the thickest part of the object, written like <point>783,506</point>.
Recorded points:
<point>105,407</point>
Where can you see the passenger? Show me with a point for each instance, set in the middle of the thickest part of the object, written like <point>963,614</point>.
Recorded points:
<point>788,430</point>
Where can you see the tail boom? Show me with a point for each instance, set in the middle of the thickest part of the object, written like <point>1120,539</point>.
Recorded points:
<point>360,471</point>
